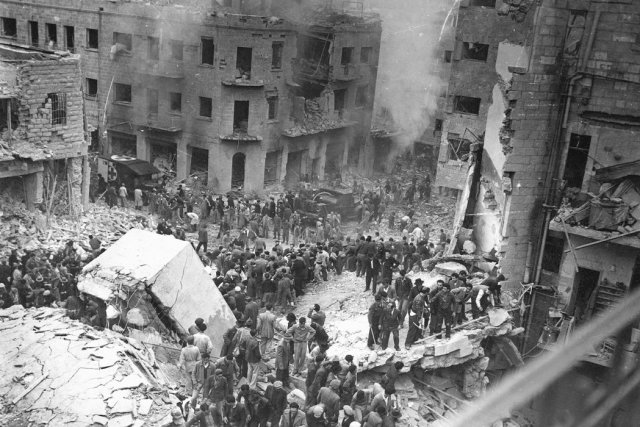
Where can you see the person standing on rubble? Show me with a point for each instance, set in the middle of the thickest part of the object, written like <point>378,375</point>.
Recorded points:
<point>446,307</point>
<point>389,324</point>
<point>434,306</point>
<point>203,237</point>
<point>417,310</point>
<point>374,315</point>
<point>371,273</point>
<point>122,194</point>
<point>230,371</point>
<point>201,372</point>
<point>282,362</point>
<point>253,357</point>
<point>403,290</point>
<point>137,198</point>
<point>300,334</point>
<point>189,358</point>
<point>266,328</point>
<point>215,390</point>
<point>202,341</point>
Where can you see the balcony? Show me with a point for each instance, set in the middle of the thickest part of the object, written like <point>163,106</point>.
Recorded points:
<point>346,73</point>
<point>167,69</point>
<point>171,124</point>
<point>243,82</point>
<point>240,137</point>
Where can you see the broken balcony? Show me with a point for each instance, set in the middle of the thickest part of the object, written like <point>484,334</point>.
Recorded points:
<point>244,81</point>
<point>163,123</point>
<point>237,136</point>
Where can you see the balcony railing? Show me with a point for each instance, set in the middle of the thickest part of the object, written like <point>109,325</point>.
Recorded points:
<point>164,123</point>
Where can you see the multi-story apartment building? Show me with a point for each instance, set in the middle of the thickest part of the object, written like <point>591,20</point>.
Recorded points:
<point>42,133</point>
<point>198,86</point>
<point>554,108</point>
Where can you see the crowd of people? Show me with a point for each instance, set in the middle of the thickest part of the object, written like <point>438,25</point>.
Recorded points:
<point>262,284</point>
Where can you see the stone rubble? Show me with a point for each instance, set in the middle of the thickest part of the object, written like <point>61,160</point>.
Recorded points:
<point>91,377</point>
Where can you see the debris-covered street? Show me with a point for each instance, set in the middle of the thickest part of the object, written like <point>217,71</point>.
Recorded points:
<point>315,213</point>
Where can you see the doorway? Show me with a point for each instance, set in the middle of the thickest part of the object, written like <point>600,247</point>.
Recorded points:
<point>237,170</point>
<point>294,167</point>
<point>585,287</point>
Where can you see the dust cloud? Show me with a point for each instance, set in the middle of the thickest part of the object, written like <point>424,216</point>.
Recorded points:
<point>408,82</point>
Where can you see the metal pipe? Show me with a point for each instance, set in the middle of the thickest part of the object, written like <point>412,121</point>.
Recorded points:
<point>527,265</point>
<point>608,239</point>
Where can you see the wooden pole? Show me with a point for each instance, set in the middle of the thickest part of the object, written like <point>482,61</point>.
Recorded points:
<point>566,234</point>
<point>604,240</point>
<point>30,388</point>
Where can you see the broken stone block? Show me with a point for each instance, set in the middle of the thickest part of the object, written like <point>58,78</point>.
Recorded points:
<point>144,407</point>
<point>122,406</point>
<point>121,421</point>
<point>131,381</point>
<point>99,419</point>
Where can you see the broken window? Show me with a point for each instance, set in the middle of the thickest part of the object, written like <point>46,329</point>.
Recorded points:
<point>91,87</point>
<point>339,99</point>
<point>483,3</point>
<point>577,158</point>
<point>271,162</point>
<point>206,107</point>
<point>8,111</point>
<point>152,101</point>
<point>347,56</point>
<point>122,92</point>
<point>276,55</point>
<point>475,51</point>
<point>459,148</point>
<point>175,102</point>
<point>365,54</point>
<point>207,51</point>
<point>362,96</point>
<point>52,35</point>
<point>9,27</point>
<point>124,40</point>
<point>154,48</point>
<point>70,38</point>
<point>466,105</point>
<point>272,101</point>
<point>92,38</point>
<point>176,50</point>
<point>438,125</point>
<point>552,257</point>
<point>34,33</point>
<point>575,32</point>
<point>243,61</point>
<point>447,56</point>
<point>240,116</point>
<point>58,108</point>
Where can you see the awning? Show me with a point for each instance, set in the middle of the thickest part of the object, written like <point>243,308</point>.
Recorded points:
<point>137,166</point>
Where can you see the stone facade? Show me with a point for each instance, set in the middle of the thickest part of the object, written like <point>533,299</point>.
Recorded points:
<point>48,125</point>
<point>160,81</point>
<point>587,50</point>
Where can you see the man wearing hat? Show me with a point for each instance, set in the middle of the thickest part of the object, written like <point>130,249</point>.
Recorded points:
<point>277,397</point>
<point>349,416</point>
<point>328,396</point>
<point>374,316</point>
<point>315,417</point>
<point>419,307</point>
<point>193,329</point>
<point>176,418</point>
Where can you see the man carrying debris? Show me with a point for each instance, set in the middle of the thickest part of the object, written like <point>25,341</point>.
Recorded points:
<point>189,357</point>
<point>419,307</point>
<point>234,414</point>
<point>300,334</point>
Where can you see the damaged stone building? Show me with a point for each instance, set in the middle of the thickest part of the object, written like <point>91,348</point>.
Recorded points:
<point>232,90</point>
<point>43,153</point>
<point>545,100</point>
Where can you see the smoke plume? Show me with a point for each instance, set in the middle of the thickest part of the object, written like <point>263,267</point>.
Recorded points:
<point>408,82</point>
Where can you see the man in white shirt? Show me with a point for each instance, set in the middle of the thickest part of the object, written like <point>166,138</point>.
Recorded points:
<point>202,341</point>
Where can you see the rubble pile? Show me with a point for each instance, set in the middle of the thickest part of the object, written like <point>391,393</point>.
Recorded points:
<point>348,329</point>
<point>21,229</point>
<point>315,120</point>
<point>63,372</point>
<point>615,209</point>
